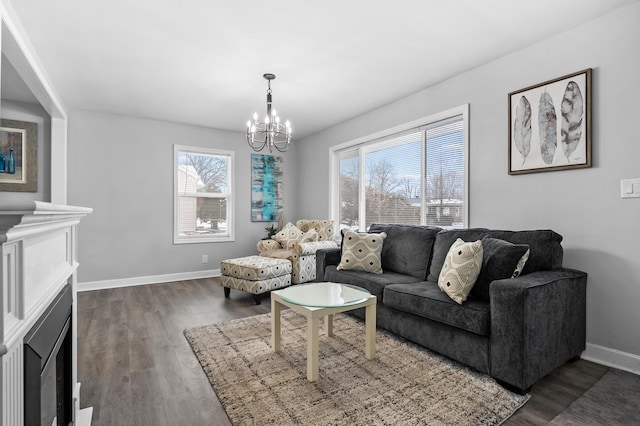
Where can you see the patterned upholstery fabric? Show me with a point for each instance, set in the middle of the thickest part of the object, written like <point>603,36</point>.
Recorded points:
<point>255,274</point>
<point>325,228</point>
<point>287,243</point>
<point>256,287</point>
<point>267,245</point>
<point>255,268</point>
<point>303,261</point>
<point>361,252</point>
<point>305,249</point>
<point>461,268</point>
<point>288,236</point>
<point>304,239</point>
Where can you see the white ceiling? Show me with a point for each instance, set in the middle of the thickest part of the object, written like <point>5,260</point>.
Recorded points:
<point>201,61</point>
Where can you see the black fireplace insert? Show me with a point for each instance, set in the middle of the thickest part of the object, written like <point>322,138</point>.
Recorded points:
<point>48,391</point>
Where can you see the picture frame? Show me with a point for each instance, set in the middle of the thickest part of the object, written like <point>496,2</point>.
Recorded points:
<point>22,137</point>
<point>266,187</point>
<point>550,125</point>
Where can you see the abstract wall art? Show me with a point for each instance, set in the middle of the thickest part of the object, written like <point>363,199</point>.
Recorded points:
<point>550,125</point>
<point>266,188</point>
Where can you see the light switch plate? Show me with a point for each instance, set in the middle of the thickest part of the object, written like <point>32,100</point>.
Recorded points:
<point>630,188</point>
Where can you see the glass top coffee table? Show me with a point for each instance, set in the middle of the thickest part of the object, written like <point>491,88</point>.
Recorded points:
<point>323,300</point>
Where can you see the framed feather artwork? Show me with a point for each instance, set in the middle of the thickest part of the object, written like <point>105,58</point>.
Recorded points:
<point>550,125</point>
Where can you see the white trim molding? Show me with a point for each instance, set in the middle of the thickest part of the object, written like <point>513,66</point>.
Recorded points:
<point>38,258</point>
<point>152,279</point>
<point>612,358</point>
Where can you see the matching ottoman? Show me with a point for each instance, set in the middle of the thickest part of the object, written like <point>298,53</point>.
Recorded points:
<point>255,275</point>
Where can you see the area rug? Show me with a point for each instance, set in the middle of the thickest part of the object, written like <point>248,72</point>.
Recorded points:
<point>613,400</point>
<point>404,385</point>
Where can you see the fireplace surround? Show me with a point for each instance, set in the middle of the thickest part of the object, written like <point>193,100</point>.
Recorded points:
<point>38,330</point>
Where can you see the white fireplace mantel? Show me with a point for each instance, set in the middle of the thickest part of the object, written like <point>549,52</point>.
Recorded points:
<point>38,244</point>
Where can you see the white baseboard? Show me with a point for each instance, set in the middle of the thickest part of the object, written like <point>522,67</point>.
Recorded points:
<point>153,279</point>
<point>612,358</point>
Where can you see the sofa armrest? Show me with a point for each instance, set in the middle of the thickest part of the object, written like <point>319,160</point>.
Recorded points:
<point>311,247</point>
<point>324,258</point>
<point>268,245</point>
<point>538,322</point>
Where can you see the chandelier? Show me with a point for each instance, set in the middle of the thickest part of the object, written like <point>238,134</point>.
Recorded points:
<point>270,132</point>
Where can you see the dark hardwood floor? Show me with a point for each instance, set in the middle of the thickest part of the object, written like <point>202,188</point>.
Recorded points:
<point>136,367</point>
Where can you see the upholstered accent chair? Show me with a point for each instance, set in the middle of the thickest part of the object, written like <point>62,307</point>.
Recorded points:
<point>299,244</point>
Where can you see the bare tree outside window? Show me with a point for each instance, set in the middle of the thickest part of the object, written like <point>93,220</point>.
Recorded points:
<point>380,190</point>
<point>203,194</point>
<point>444,195</point>
<point>211,170</point>
<point>394,189</point>
<point>349,192</point>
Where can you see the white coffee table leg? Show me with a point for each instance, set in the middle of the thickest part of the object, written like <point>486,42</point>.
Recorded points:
<point>313,330</point>
<point>275,324</point>
<point>370,332</point>
<point>328,323</point>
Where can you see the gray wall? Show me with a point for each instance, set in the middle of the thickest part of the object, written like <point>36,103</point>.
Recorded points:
<point>600,230</point>
<point>122,167</point>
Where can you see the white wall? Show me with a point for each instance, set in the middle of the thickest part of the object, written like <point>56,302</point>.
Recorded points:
<point>600,230</point>
<point>122,167</point>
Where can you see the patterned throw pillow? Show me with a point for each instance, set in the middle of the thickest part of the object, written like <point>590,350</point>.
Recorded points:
<point>288,236</point>
<point>361,252</point>
<point>461,268</point>
<point>324,228</point>
<point>309,236</point>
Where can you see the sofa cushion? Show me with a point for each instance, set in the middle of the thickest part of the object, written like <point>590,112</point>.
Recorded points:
<point>407,248</point>
<point>361,252</point>
<point>443,242</point>
<point>461,269</point>
<point>426,300</point>
<point>277,254</point>
<point>499,261</point>
<point>375,283</point>
<point>544,245</point>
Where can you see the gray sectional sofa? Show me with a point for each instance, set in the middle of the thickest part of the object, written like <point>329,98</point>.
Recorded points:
<point>515,329</point>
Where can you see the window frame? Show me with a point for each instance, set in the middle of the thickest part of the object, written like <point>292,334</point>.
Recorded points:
<point>364,143</point>
<point>229,196</point>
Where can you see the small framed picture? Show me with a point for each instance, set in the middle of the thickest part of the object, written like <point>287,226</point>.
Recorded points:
<point>18,156</point>
<point>550,125</point>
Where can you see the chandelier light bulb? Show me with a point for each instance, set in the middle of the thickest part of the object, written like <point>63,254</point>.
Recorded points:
<point>255,116</point>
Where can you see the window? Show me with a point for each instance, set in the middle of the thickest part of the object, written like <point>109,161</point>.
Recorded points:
<point>203,189</point>
<point>414,174</point>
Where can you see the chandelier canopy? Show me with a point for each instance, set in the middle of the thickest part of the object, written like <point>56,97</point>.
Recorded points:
<point>270,132</point>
